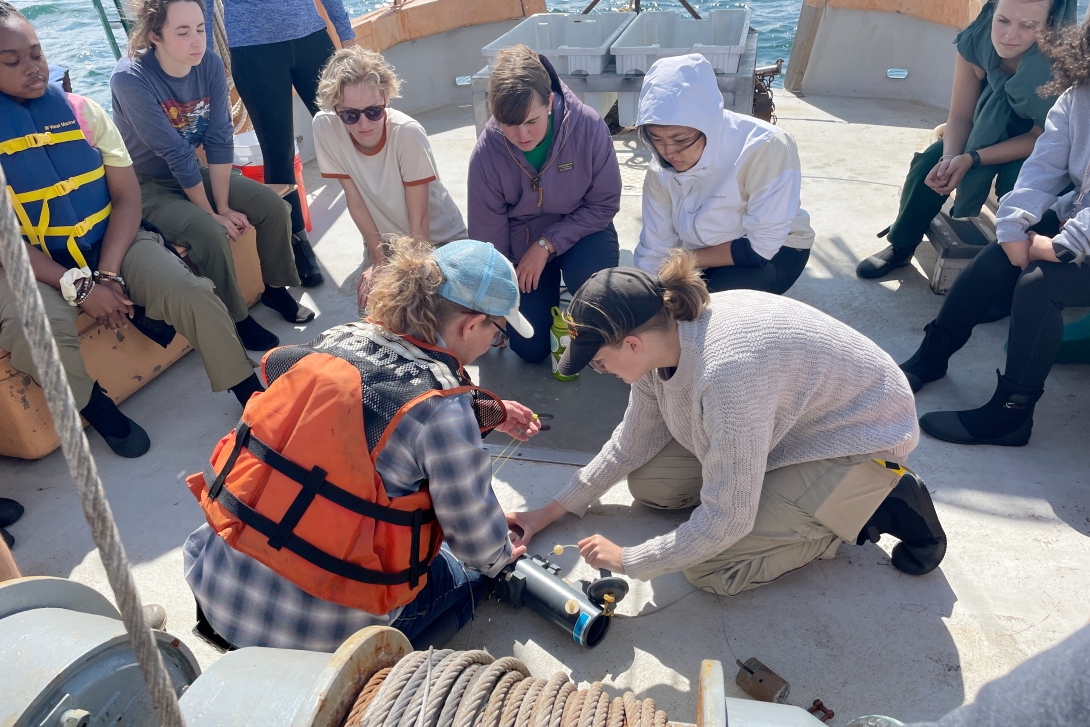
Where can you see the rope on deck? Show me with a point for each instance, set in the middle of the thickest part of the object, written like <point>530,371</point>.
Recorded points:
<point>81,465</point>
<point>470,689</point>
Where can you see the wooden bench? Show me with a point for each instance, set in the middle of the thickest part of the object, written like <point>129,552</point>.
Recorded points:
<point>121,361</point>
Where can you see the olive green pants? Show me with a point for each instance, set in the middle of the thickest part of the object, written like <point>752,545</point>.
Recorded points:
<point>185,224</point>
<point>805,511</point>
<point>158,280</point>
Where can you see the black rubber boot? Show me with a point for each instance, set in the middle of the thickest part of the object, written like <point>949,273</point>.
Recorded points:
<point>929,362</point>
<point>1006,420</point>
<point>124,436</point>
<point>8,539</point>
<point>884,262</point>
<point>280,300</point>
<point>10,512</point>
<point>306,262</point>
<point>246,388</point>
<point>254,336</point>
<point>908,514</point>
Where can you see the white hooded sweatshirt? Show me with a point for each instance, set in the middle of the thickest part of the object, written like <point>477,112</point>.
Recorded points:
<point>746,183</point>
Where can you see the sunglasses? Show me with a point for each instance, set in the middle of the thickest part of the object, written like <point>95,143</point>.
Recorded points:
<point>501,337</point>
<point>352,116</point>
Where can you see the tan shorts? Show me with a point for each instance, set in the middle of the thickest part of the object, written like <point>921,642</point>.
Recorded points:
<point>806,510</point>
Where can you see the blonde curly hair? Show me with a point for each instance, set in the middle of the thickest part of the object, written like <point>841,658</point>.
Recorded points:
<point>351,66</point>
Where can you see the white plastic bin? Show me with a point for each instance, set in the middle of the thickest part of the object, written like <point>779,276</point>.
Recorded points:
<point>721,38</point>
<point>573,42</point>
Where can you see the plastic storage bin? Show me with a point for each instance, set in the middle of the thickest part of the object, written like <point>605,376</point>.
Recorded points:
<point>573,42</point>
<point>721,38</point>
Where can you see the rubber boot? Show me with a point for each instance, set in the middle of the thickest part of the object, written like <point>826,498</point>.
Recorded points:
<point>10,512</point>
<point>280,300</point>
<point>9,540</point>
<point>1006,420</point>
<point>247,388</point>
<point>123,435</point>
<point>884,262</point>
<point>908,514</point>
<point>929,362</point>
<point>306,262</point>
<point>254,336</point>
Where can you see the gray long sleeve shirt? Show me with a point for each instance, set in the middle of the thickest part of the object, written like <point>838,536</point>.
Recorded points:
<point>163,119</point>
<point>1060,157</point>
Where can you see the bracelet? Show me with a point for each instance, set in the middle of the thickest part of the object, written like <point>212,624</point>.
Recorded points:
<point>85,287</point>
<point>70,280</point>
<point>113,277</point>
<point>946,157</point>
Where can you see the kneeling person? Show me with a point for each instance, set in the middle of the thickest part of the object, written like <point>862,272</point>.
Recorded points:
<point>784,427</point>
<point>77,199</point>
<point>386,477</point>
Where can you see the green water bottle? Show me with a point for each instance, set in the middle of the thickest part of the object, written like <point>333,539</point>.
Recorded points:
<point>559,340</point>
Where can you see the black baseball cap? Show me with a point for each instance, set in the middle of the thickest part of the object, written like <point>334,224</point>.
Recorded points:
<point>613,302</point>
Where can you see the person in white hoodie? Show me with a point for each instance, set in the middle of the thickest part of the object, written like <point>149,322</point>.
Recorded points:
<point>723,185</point>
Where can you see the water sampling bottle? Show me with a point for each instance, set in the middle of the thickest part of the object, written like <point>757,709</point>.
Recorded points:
<point>559,340</point>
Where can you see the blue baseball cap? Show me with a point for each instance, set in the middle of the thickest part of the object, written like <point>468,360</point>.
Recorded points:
<point>481,279</point>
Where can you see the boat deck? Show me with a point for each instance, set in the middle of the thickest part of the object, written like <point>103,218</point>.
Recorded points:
<point>850,631</point>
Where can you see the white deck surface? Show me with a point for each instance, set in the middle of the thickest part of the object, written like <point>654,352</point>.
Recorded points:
<point>850,631</point>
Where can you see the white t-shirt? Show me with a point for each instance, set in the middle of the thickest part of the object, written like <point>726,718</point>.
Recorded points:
<point>403,159</point>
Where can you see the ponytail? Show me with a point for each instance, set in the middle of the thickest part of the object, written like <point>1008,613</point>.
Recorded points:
<point>405,296</point>
<point>684,293</point>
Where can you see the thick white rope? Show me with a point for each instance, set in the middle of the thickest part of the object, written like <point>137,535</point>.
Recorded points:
<point>81,465</point>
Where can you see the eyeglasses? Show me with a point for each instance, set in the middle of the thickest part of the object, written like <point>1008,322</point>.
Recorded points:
<point>597,366</point>
<point>500,338</point>
<point>352,116</point>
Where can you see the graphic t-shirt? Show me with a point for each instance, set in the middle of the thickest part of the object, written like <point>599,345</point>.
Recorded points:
<point>402,159</point>
<point>163,118</point>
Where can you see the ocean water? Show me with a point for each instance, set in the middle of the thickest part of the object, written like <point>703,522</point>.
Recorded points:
<point>72,34</point>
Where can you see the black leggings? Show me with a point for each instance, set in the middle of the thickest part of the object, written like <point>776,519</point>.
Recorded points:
<point>775,276</point>
<point>1037,296</point>
<point>264,76</point>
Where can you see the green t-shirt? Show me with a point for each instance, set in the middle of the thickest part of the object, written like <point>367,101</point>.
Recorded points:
<point>536,156</point>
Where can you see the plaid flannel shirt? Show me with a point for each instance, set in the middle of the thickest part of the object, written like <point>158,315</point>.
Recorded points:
<point>438,441</point>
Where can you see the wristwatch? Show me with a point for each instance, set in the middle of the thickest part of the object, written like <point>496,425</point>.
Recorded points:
<point>545,244</point>
<point>975,156</point>
<point>1063,253</point>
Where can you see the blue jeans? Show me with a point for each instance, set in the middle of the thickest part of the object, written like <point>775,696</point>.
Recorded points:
<point>444,605</point>
<point>594,252</point>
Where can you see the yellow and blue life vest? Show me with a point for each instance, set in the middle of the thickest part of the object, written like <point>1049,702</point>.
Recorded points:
<point>55,178</point>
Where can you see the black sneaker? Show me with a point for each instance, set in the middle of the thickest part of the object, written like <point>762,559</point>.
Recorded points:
<point>310,275</point>
<point>884,262</point>
<point>280,300</point>
<point>254,337</point>
<point>10,512</point>
<point>124,436</point>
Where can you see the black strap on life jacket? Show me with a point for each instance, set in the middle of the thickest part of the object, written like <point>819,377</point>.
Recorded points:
<point>282,534</point>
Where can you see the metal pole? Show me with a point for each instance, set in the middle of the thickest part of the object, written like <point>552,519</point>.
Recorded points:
<point>125,24</point>
<point>689,7</point>
<point>106,27</point>
<point>590,7</point>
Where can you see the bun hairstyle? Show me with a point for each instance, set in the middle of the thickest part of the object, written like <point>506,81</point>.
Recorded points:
<point>405,296</point>
<point>684,298</point>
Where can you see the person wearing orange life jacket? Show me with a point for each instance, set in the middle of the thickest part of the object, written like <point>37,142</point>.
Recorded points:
<point>311,537</point>
<point>71,182</point>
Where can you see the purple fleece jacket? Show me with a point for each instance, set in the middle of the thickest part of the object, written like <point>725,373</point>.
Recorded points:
<point>580,184</point>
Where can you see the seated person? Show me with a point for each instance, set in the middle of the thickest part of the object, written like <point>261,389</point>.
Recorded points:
<point>419,421</point>
<point>93,257</point>
<point>1038,267</point>
<point>995,117</point>
<point>544,186</point>
<point>380,156</point>
<point>723,185</point>
<point>171,98</point>
<point>786,429</point>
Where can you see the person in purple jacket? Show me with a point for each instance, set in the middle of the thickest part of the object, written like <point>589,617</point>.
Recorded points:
<point>544,186</point>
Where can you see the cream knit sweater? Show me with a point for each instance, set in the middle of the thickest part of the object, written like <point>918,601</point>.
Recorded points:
<point>763,382</point>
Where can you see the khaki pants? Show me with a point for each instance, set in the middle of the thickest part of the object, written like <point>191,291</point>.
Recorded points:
<point>806,510</point>
<point>187,225</point>
<point>158,280</point>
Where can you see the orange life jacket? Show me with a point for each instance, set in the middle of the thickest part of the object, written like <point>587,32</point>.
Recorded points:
<point>294,486</point>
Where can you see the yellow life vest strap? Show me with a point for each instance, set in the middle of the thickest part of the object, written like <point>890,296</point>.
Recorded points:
<point>32,141</point>
<point>37,235</point>
<point>62,187</point>
<point>892,466</point>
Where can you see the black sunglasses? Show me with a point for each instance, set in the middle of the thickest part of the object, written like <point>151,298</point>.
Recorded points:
<point>352,116</point>
<point>502,337</point>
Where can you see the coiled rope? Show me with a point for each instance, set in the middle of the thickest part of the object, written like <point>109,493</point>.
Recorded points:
<point>81,465</point>
<point>471,689</point>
